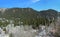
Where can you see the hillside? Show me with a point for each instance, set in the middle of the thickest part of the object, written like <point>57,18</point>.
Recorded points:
<point>29,15</point>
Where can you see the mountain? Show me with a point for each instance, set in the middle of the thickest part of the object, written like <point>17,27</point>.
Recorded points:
<point>28,15</point>
<point>58,14</point>
<point>49,14</point>
<point>18,12</point>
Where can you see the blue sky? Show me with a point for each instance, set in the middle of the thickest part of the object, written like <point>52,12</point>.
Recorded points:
<point>35,4</point>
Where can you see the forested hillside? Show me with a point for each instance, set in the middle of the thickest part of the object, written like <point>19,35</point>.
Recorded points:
<point>29,16</point>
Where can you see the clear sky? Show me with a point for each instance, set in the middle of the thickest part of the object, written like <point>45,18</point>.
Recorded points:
<point>35,4</point>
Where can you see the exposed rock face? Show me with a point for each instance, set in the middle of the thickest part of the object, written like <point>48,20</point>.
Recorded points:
<point>2,33</point>
<point>57,34</point>
<point>21,31</point>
